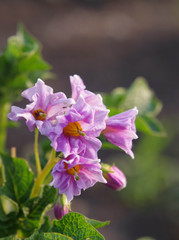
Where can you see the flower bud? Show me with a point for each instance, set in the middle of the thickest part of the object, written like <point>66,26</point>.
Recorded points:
<point>114,176</point>
<point>62,207</point>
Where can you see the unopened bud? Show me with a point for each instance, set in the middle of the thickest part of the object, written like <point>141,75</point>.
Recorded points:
<point>114,176</point>
<point>62,207</point>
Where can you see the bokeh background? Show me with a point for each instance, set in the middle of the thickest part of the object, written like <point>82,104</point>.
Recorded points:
<point>109,43</point>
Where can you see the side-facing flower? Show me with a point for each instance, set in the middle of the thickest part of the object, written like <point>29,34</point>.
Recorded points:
<point>114,176</point>
<point>75,173</point>
<point>120,130</point>
<point>77,130</point>
<point>44,106</point>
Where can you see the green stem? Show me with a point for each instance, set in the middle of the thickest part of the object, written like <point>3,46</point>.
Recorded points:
<point>41,177</point>
<point>4,109</point>
<point>36,152</point>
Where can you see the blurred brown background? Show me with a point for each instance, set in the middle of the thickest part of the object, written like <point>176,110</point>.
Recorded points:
<point>108,43</point>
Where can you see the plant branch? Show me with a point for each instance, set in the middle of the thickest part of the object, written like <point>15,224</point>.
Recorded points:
<point>4,109</point>
<point>36,152</point>
<point>41,177</point>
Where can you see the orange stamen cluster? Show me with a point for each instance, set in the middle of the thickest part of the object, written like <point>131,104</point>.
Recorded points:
<point>39,114</point>
<point>72,171</point>
<point>73,129</point>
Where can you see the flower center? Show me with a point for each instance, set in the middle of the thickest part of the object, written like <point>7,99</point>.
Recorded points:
<point>73,171</point>
<point>39,114</point>
<point>73,129</point>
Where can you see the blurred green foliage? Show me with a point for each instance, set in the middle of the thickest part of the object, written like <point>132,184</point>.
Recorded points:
<point>149,174</point>
<point>21,64</point>
<point>141,96</point>
<point>18,212</point>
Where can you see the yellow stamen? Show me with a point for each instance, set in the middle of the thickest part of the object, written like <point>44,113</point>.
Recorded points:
<point>73,129</point>
<point>73,171</point>
<point>39,114</point>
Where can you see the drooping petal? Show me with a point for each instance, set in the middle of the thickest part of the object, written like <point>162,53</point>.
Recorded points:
<point>120,130</point>
<point>19,113</point>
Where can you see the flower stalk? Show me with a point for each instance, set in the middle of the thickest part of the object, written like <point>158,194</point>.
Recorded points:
<point>4,109</point>
<point>36,152</point>
<point>43,174</point>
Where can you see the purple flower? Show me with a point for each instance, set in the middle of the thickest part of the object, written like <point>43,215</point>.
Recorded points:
<point>44,107</point>
<point>120,130</point>
<point>76,131</point>
<point>114,176</point>
<point>74,173</point>
<point>79,89</point>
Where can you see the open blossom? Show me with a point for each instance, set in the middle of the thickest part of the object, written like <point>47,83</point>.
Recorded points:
<point>77,130</point>
<point>44,106</point>
<point>74,173</point>
<point>120,130</point>
<point>114,176</point>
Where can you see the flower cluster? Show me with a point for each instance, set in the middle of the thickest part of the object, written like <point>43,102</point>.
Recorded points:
<point>73,126</point>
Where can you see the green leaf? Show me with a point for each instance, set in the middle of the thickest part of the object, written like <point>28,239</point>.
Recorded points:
<point>32,63</point>
<point>35,208</point>
<point>20,65</point>
<point>150,126</point>
<point>140,95</point>
<point>48,236</point>
<point>51,236</point>
<point>8,209</point>
<point>8,228</point>
<point>21,44</point>
<point>97,224</point>
<point>34,236</point>
<point>108,145</point>
<point>75,225</point>
<point>12,237</point>
<point>19,179</point>
<point>114,98</point>
<point>149,175</point>
<point>46,225</point>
